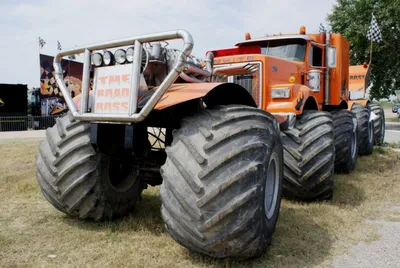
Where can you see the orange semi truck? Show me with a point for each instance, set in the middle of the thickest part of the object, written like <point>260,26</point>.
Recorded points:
<point>223,138</point>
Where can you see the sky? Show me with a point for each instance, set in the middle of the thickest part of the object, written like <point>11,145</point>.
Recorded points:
<point>213,24</point>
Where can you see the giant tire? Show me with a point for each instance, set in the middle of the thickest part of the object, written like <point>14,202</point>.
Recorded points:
<point>309,155</point>
<point>215,182</point>
<point>346,140</point>
<point>74,178</point>
<point>379,123</point>
<point>365,129</point>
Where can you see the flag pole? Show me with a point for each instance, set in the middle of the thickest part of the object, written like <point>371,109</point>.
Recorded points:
<point>39,49</point>
<point>370,53</point>
<point>372,39</point>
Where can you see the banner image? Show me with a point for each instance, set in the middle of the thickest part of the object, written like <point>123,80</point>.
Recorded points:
<point>52,101</point>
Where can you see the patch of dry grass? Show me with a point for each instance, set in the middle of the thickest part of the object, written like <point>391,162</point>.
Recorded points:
<point>393,119</point>
<point>386,105</point>
<point>307,234</point>
<point>394,145</point>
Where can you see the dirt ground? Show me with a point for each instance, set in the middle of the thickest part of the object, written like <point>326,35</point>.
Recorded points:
<point>384,252</point>
<point>389,113</point>
<point>31,134</point>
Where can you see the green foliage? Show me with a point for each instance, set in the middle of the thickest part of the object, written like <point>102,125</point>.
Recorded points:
<point>352,19</point>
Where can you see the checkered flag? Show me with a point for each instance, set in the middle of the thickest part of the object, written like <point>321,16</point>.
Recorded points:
<point>59,45</point>
<point>374,33</point>
<point>41,42</point>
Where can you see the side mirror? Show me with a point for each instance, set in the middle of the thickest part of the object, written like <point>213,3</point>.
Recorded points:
<point>331,57</point>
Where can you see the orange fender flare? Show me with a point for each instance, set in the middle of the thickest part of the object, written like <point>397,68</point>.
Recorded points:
<point>295,104</point>
<point>350,103</point>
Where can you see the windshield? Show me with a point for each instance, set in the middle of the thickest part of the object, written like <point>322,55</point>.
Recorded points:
<point>293,49</point>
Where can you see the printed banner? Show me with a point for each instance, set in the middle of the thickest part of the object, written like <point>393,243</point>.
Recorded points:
<point>52,101</point>
<point>112,89</point>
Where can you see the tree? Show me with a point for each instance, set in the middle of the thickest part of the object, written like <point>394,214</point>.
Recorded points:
<point>352,19</point>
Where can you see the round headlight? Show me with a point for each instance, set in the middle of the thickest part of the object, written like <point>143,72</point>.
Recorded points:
<point>129,54</point>
<point>97,59</point>
<point>108,58</point>
<point>120,56</point>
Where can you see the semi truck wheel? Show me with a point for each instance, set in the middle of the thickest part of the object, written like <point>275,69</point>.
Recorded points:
<point>346,140</point>
<point>222,180</point>
<point>79,181</point>
<point>365,129</point>
<point>379,123</point>
<point>309,156</point>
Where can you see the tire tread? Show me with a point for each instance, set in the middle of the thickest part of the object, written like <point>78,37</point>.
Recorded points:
<point>309,155</point>
<point>225,198</point>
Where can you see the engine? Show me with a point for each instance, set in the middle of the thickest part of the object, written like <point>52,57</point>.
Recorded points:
<point>157,61</point>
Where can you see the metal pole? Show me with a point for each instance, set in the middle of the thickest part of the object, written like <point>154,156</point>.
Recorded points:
<point>60,81</point>
<point>327,70</point>
<point>85,82</point>
<point>135,77</point>
<point>370,55</point>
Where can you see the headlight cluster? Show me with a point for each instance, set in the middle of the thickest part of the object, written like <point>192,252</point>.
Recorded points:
<point>277,93</point>
<point>120,56</point>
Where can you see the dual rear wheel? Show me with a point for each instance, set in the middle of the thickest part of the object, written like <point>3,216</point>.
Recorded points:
<point>319,144</point>
<point>379,123</point>
<point>322,143</point>
<point>371,128</point>
<point>365,129</point>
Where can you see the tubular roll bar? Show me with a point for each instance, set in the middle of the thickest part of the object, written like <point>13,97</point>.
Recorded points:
<point>137,41</point>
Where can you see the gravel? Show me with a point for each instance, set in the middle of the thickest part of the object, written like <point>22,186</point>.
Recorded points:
<point>384,252</point>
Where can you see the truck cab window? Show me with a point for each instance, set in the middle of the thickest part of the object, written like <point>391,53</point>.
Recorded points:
<point>316,56</point>
<point>288,49</point>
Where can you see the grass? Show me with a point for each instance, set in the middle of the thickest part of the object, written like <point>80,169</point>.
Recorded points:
<point>395,119</point>
<point>386,104</point>
<point>34,234</point>
<point>394,145</point>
